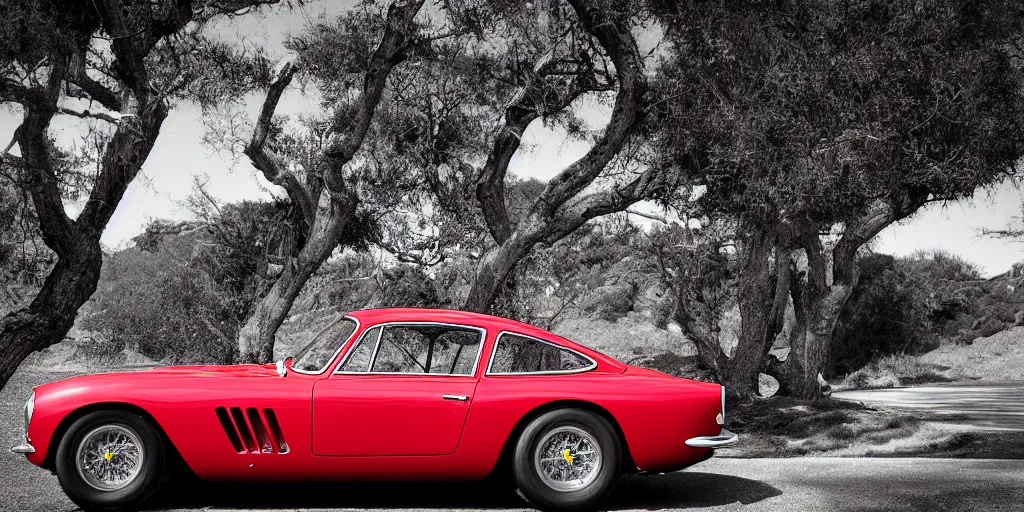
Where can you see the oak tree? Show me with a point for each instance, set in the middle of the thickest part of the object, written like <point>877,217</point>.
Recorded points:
<point>817,124</point>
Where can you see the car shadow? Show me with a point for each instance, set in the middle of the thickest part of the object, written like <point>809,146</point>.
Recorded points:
<point>674,490</point>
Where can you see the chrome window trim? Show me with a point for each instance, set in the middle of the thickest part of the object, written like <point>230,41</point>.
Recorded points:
<point>348,355</point>
<point>376,349</point>
<point>341,346</point>
<point>494,350</point>
<point>373,355</point>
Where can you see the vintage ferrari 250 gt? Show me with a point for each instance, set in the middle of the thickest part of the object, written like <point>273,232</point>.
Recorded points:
<point>386,394</point>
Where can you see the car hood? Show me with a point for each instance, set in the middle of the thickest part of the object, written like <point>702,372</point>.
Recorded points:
<point>235,370</point>
<point>159,377</point>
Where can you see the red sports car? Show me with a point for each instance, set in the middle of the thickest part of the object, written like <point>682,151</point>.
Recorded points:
<point>385,394</point>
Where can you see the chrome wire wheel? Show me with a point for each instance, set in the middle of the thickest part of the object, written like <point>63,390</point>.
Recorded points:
<point>110,457</point>
<point>567,458</point>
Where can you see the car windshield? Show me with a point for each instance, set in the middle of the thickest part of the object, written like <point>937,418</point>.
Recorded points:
<point>317,355</point>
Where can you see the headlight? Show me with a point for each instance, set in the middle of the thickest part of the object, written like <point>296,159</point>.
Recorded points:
<point>29,407</point>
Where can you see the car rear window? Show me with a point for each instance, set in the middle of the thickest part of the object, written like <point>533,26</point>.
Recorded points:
<point>514,353</point>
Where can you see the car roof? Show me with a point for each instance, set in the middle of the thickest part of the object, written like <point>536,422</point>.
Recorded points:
<point>383,315</point>
<point>368,317</point>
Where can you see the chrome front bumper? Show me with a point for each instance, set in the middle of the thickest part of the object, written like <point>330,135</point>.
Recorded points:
<point>725,438</point>
<point>23,449</point>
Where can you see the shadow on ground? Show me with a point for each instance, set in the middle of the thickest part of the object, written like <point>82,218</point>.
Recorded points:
<point>675,490</point>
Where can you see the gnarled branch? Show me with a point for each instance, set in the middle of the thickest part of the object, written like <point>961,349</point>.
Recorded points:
<point>394,45</point>
<point>57,228</point>
<point>526,106</point>
<point>96,91</point>
<point>620,45</point>
<point>269,163</point>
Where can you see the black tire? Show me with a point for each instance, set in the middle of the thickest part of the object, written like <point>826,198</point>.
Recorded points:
<point>533,486</point>
<point>144,484</point>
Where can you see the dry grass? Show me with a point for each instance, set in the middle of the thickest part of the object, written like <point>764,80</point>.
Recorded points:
<point>783,427</point>
<point>894,371</point>
<point>999,357</point>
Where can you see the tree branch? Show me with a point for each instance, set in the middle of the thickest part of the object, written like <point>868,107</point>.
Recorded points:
<point>87,114</point>
<point>394,44</point>
<point>617,40</point>
<point>526,106</point>
<point>96,91</point>
<point>615,200</point>
<point>877,216</point>
<point>58,231</point>
<point>14,91</point>
<point>266,161</point>
<point>130,46</point>
<point>1003,233</point>
<point>660,218</point>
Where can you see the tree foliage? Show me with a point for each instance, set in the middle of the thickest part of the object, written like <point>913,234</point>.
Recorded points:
<point>117,66</point>
<point>805,118</point>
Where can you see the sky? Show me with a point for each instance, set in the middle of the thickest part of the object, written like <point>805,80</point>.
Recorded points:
<point>180,158</point>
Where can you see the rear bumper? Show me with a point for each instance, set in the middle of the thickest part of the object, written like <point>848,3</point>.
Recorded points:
<point>725,438</point>
<point>23,449</point>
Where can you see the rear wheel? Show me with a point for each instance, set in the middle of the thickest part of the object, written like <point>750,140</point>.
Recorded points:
<point>567,459</point>
<point>110,460</point>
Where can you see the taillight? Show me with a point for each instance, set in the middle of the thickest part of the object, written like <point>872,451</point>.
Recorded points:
<point>720,419</point>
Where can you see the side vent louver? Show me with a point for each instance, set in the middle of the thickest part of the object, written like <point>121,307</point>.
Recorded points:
<point>252,430</point>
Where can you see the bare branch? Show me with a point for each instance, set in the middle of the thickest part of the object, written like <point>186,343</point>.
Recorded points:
<point>269,163</point>
<point>1003,233</point>
<point>87,114</point>
<point>394,44</point>
<point>651,216</point>
<point>525,106</point>
<point>97,91</point>
<point>620,45</point>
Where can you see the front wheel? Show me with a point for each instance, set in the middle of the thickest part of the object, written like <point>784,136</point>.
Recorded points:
<point>567,459</point>
<point>109,460</point>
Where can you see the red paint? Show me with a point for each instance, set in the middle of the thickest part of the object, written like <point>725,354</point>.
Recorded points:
<point>355,415</point>
<point>349,426</point>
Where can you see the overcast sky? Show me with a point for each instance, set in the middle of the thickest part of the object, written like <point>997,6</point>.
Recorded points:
<point>179,158</point>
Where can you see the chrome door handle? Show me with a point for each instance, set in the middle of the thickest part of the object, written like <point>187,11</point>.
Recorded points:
<point>461,398</point>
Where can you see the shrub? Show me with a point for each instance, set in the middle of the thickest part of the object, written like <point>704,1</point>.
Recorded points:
<point>163,307</point>
<point>886,314</point>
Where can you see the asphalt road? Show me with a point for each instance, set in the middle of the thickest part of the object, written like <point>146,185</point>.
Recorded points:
<point>806,484</point>
<point>988,406</point>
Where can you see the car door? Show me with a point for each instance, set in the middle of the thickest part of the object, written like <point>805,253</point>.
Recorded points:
<point>403,389</point>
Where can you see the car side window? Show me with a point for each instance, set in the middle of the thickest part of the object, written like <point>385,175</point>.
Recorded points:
<point>359,359</point>
<point>427,349</point>
<point>520,354</point>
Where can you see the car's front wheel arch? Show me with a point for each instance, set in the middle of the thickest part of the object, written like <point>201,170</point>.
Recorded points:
<point>176,464</point>
<point>504,462</point>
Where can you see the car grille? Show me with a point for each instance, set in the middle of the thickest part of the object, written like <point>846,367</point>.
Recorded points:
<point>251,430</point>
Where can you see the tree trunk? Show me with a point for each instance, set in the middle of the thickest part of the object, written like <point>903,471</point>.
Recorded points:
<point>49,317</point>
<point>493,272</point>
<point>257,337</point>
<point>760,309</point>
<point>811,339</point>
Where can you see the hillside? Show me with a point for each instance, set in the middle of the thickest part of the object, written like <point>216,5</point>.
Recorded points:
<point>964,310</point>
<point>993,358</point>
